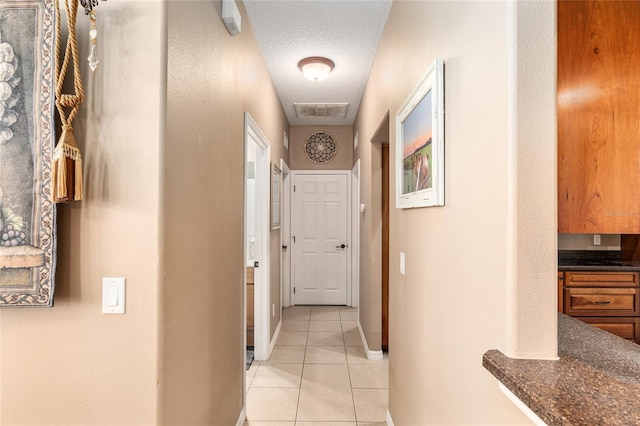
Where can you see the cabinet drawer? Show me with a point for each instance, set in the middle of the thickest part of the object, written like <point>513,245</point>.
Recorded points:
<point>601,279</point>
<point>601,301</point>
<point>627,328</point>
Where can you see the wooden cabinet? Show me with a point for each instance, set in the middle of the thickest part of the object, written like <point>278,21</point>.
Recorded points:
<point>250,305</point>
<point>598,101</point>
<point>607,300</point>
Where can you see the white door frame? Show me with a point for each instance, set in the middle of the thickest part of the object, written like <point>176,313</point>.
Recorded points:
<point>346,173</point>
<point>355,234</point>
<point>261,317</point>
<point>285,237</point>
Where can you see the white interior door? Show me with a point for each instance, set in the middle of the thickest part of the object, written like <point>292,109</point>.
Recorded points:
<point>321,238</point>
<point>257,179</point>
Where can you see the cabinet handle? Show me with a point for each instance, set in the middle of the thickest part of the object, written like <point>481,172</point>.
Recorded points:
<point>602,302</point>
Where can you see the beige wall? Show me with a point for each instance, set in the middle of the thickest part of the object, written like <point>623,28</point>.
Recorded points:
<point>70,364</point>
<point>212,80</point>
<point>585,242</point>
<point>469,264</point>
<point>343,135</point>
<point>176,356</point>
<point>163,208</point>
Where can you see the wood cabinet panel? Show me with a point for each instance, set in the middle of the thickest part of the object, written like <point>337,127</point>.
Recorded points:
<point>601,301</point>
<point>250,308</point>
<point>250,305</point>
<point>560,291</point>
<point>598,103</point>
<point>627,328</point>
<point>601,279</point>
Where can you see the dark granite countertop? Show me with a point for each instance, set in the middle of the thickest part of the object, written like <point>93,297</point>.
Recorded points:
<point>620,267</point>
<point>596,381</point>
<point>587,260</point>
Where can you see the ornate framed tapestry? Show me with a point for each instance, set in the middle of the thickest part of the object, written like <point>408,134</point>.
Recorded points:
<point>27,216</point>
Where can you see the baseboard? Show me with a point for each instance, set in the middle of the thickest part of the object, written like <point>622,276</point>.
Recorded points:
<point>275,338</point>
<point>389,419</point>
<point>242,417</point>
<point>371,355</point>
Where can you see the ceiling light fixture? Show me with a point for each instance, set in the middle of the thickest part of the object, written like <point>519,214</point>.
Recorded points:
<point>316,68</point>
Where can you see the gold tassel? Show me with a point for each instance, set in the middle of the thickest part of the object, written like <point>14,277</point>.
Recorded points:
<point>66,176</point>
<point>77,195</point>
<point>60,174</point>
<point>66,182</point>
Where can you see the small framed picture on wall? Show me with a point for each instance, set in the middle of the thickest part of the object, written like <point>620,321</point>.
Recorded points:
<point>420,143</point>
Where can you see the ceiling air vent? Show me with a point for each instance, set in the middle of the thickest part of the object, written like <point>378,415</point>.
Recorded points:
<point>337,110</point>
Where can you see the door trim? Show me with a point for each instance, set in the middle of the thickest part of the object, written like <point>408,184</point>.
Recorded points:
<point>355,235</point>
<point>262,320</point>
<point>285,236</point>
<point>347,174</point>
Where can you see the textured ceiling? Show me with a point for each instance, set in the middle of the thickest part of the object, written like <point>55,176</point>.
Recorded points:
<point>347,32</point>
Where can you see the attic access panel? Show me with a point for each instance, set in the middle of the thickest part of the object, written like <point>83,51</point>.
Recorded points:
<point>321,110</point>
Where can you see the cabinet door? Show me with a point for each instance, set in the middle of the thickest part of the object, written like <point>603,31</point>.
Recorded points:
<point>598,104</point>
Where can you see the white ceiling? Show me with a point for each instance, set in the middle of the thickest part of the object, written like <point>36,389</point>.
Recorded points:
<point>345,31</point>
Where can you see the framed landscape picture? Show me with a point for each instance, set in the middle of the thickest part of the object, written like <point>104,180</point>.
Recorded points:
<point>420,143</point>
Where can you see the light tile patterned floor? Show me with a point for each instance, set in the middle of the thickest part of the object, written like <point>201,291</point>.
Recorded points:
<point>318,374</point>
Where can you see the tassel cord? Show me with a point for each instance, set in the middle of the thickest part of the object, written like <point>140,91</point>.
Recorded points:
<point>74,100</point>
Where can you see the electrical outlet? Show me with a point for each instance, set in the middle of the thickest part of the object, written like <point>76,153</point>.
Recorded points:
<point>596,240</point>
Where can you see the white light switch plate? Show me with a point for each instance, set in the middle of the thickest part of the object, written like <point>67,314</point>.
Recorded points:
<point>402,262</point>
<point>113,295</point>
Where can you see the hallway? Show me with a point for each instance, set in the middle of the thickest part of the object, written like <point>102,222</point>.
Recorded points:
<point>318,374</point>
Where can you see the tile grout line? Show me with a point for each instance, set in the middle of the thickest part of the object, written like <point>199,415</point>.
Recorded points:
<point>304,359</point>
<point>353,399</point>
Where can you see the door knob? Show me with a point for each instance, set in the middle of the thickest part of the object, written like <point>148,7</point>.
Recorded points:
<point>341,246</point>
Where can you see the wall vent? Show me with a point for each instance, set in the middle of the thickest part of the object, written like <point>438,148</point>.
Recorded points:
<point>321,110</point>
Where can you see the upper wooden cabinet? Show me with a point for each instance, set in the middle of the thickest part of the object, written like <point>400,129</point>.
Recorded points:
<point>599,117</point>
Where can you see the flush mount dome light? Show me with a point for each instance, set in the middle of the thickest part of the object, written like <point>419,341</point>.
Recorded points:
<point>316,68</point>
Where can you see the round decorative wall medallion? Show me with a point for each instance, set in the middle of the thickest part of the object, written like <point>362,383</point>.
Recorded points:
<point>320,148</point>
